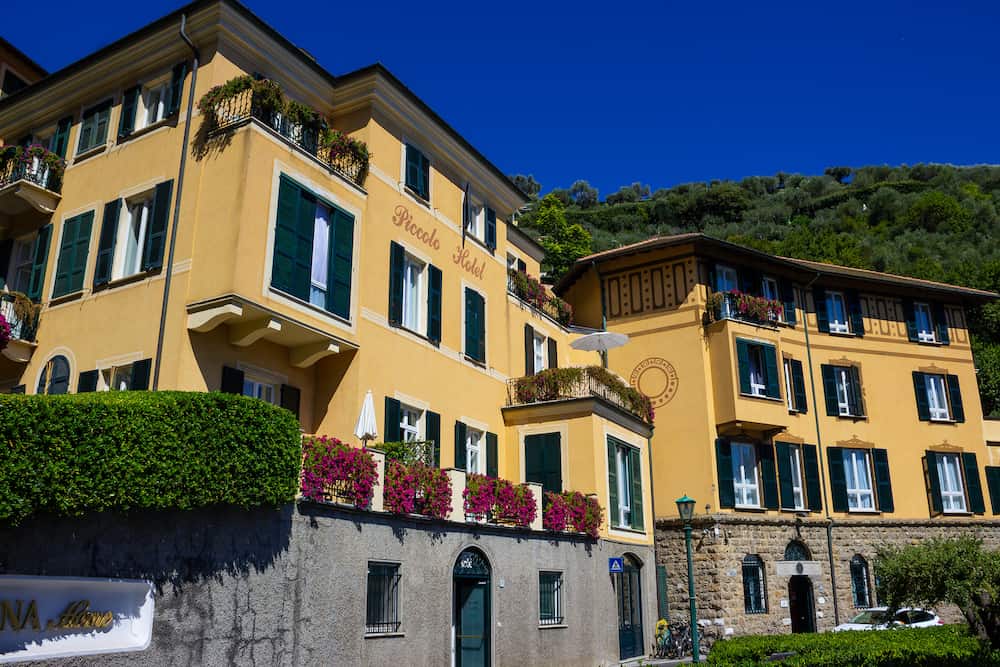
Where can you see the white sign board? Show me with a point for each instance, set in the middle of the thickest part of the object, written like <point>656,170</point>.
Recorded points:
<point>55,617</point>
<point>790,568</point>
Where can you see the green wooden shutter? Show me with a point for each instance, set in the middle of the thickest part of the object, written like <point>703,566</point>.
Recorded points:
<point>432,428</point>
<point>822,315</point>
<point>412,169</point>
<point>910,317</point>
<point>768,476</point>
<point>475,325</point>
<point>338,292</point>
<point>72,263</point>
<point>829,374</point>
<point>799,387</point>
<point>60,140</point>
<point>920,391</point>
<point>397,257</point>
<point>553,463</point>
<point>290,399</point>
<point>529,350</point>
<point>743,364</point>
<point>156,231</point>
<point>140,375</point>
<point>934,482</point>
<point>492,455</point>
<point>838,481</point>
<point>425,176</point>
<point>635,472</point>
<point>993,483</point>
<point>788,300</point>
<point>177,75</point>
<point>662,606</point>
<point>854,310</point>
<point>292,260</point>
<point>883,483</point>
<point>857,398</point>
<point>434,304</point>
<point>553,353</point>
<point>613,513</point>
<point>724,466</point>
<point>814,494</point>
<point>940,324</point>
<point>534,458</point>
<point>87,382</point>
<point>103,116</point>
<point>6,248</point>
<point>126,123</point>
<point>232,380</point>
<point>784,461</point>
<point>481,319</point>
<point>106,243</point>
<point>460,435</point>
<point>39,260</point>
<point>491,229</point>
<point>973,486</point>
<point>771,371</point>
<point>955,398</point>
<point>392,432</point>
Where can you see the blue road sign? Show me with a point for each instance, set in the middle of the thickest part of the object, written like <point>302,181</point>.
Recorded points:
<point>616,565</point>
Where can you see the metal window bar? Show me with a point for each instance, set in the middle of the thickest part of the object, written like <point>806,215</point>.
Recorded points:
<point>382,614</point>
<point>753,586</point>
<point>550,598</point>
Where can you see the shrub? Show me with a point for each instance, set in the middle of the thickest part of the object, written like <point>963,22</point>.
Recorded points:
<point>572,510</point>
<point>949,646</point>
<point>332,469</point>
<point>67,455</point>
<point>532,292</point>
<point>417,489</point>
<point>488,498</point>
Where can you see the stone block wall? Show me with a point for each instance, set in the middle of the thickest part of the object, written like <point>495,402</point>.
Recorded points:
<point>721,541</point>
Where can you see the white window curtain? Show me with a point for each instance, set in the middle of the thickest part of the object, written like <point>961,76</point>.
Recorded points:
<point>860,495</point>
<point>320,257</point>
<point>745,475</point>
<point>950,477</point>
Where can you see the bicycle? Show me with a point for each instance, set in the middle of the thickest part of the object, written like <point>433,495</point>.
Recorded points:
<point>673,640</point>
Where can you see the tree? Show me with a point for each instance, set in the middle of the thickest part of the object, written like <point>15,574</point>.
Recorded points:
<point>527,184</point>
<point>951,570</point>
<point>838,174</point>
<point>563,243</point>
<point>583,194</point>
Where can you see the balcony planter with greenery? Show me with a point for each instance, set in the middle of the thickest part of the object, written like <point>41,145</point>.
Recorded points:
<point>580,382</point>
<point>23,315</point>
<point>266,96</point>
<point>499,501</point>
<point>417,489</point>
<point>335,471</point>
<point>571,510</point>
<point>31,162</point>
<point>532,292</point>
<point>743,306</point>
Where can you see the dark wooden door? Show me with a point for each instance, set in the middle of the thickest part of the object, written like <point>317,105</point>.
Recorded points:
<point>629,611</point>
<point>800,604</point>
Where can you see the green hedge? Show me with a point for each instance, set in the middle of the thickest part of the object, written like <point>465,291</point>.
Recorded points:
<point>67,455</point>
<point>948,646</point>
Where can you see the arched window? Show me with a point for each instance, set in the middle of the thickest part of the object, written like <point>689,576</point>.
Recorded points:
<point>754,586</point>
<point>796,550</point>
<point>860,586</point>
<point>55,377</point>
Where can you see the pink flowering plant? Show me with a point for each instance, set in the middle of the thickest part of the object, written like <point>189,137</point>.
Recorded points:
<point>333,470</point>
<point>491,499</point>
<point>4,332</point>
<point>534,293</point>
<point>571,510</point>
<point>417,489</point>
<point>745,306</point>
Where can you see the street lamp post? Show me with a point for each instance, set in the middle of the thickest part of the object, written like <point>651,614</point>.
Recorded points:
<point>685,506</point>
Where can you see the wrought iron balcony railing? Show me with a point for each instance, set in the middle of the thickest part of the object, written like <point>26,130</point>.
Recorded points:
<point>568,383</point>
<point>21,314</point>
<point>32,170</point>
<point>745,308</point>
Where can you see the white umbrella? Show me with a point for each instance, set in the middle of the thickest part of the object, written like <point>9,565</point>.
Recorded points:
<point>599,341</point>
<point>367,429</point>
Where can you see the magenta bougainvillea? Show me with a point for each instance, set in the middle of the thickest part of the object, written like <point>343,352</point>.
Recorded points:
<point>491,499</point>
<point>531,291</point>
<point>747,306</point>
<point>333,470</point>
<point>417,489</point>
<point>571,510</point>
<point>4,332</point>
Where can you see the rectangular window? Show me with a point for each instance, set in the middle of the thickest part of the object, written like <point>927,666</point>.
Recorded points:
<point>475,326</point>
<point>73,250</point>
<point>745,475</point>
<point>414,293</point>
<point>757,369</point>
<point>949,469</point>
<point>625,485</point>
<point>382,614</point>
<point>925,323</point>
<point>94,127</point>
<point>538,345</point>
<point>18,272</point>
<point>131,237</point>
<point>858,477</point>
<point>409,423</point>
<point>758,378</point>
<point>259,387</point>
<point>475,219</point>
<point>795,464</point>
<point>769,289</point>
<point>118,378</point>
<point>319,275</point>
<point>836,310</point>
<point>475,461</point>
<point>154,103</point>
<point>789,385</point>
<point>418,172</point>
<point>550,603</point>
<point>511,263</point>
<point>726,278</point>
<point>937,397</point>
<point>848,403</point>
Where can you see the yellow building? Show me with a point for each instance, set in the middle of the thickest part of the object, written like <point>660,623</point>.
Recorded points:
<point>233,217</point>
<point>814,412</point>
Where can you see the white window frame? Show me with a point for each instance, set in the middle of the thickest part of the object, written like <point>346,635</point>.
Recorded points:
<point>798,487</point>
<point>557,598</point>
<point>411,422</point>
<point>80,150</point>
<point>623,478</point>
<point>845,389</point>
<point>511,262</point>
<point>540,349</point>
<point>837,325</point>
<point>474,449</point>
<point>949,469</point>
<point>476,226</point>
<point>320,251</point>
<point>758,375</point>
<point>858,469</point>
<point>746,485</point>
<point>769,288</point>
<point>924,335</point>
<point>786,364</point>
<point>936,387</point>
<point>722,272</point>
<point>260,381</point>
<point>111,375</point>
<point>414,304</point>
<point>137,213</point>
<point>21,260</point>
<point>159,86</point>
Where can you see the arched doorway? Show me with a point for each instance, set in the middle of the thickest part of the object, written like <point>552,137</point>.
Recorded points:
<point>800,604</point>
<point>628,586</point>
<point>471,615</point>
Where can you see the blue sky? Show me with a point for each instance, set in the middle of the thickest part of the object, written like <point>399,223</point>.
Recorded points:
<point>660,92</point>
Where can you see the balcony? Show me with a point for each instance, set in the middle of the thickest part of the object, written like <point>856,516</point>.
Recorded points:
<point>532,293</point>
<point>744,308</point>
<point>566,384</point>
<point>303,128</point>
<point>22,315</point>
<point>30,180</point>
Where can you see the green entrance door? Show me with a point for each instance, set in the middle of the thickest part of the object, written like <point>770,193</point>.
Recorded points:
<point>543,462</point>
<point>628,587</point>
<point>472,610</point>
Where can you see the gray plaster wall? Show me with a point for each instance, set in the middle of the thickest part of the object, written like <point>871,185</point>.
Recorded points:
<point>287,586</point>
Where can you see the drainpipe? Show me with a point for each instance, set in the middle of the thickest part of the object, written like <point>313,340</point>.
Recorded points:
<point>819,457</point>
<point>169,269</point>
